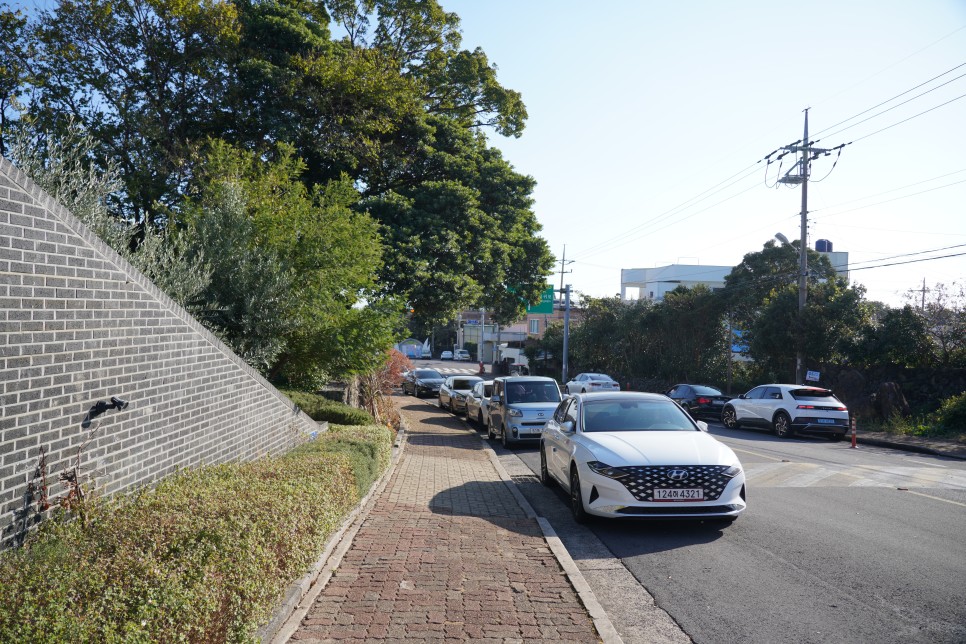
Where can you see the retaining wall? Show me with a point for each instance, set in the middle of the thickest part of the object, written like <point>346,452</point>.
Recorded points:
<point>78,325</point>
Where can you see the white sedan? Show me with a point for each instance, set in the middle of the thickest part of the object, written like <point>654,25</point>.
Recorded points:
<point>631,454</point>
<point>584,383</point>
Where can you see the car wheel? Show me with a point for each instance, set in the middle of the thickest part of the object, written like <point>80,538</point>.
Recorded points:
<point>479,418</point>
<point>583,391</point>
<point>782,425</point>
<point>503,437</point>
<point>729,418</point>
<point>544,472</point>
<point>576,500</point>
<point>489,429</point>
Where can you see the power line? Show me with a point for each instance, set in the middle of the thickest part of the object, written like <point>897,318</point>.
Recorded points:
<point>912,89</point>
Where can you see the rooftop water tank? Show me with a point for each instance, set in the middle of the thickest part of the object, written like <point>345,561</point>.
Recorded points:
<point>823,246</point>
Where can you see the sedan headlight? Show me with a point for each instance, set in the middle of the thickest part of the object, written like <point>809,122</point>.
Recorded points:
<point>514,413</point>
<point>606,470</point>
<point>732,471</point>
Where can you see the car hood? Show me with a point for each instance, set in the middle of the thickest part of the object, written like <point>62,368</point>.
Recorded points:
<point>659,448</point>
<point>431,381</point>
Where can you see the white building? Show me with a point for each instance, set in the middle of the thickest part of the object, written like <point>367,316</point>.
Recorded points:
<point>654,283</point>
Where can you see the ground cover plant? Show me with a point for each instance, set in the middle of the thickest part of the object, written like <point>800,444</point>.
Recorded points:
<point>202,557</point>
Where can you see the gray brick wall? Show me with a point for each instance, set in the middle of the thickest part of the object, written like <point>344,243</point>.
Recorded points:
<point>78,325</point>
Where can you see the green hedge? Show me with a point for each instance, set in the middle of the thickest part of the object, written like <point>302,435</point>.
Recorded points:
<point>320,408</point>
<point>203,557</point>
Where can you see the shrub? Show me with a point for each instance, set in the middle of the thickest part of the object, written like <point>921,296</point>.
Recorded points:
<point>320,408</point>
<point>951,415</point>
<point>204,556</point>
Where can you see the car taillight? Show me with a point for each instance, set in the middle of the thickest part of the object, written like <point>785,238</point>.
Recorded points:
<point>806,407</point>
<point>595,384</point>
<point>703,401</point>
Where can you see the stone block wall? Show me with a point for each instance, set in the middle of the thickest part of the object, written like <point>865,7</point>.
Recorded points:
<point>79,325</point>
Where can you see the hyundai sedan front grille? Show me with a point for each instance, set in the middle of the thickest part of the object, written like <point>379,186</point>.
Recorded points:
<point>641,480</point>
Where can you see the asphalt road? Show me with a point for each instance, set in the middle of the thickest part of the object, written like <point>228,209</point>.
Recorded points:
<point>837,545</point>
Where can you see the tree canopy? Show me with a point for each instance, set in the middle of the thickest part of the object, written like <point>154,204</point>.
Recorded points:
<point>335,149</point>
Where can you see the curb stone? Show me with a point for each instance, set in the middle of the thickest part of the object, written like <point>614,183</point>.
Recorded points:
<point>300,595</point>
<point>608,634</point>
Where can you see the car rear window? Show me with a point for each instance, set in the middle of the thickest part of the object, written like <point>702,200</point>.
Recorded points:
<point>464,383</point>
<point>813,394</point>
<point>706,391</point>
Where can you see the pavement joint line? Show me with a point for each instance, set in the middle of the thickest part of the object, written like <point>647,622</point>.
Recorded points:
<point>608,634</point>
<point>298,604</point>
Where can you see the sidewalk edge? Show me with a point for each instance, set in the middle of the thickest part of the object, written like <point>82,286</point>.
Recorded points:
<point>608,634</point>
<point>301,594</point>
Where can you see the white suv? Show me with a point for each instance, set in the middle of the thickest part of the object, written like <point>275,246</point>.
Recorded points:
<point>788,409</point>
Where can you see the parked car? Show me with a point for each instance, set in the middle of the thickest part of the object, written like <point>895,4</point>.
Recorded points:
<point>586,382</point>
<point>787,410</point>
<point>520,406</point>
<point>461,354</point>
<point>422,382</point>
<point>453,392</point>
<point>700,400</point>
<point>633,454</point>
<point>446,355</point>
<point>478,402</point>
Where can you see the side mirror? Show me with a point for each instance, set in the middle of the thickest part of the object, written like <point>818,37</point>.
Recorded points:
<point>703,426</point>
<point>495,399</point>
<point>567,427</point>
<point>741,396</point>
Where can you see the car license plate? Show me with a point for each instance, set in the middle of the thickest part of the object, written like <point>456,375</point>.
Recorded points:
<point>826,421</point>
<point>682,494</point>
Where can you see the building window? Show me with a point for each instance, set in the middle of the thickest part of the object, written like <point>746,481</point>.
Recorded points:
<point>534,326</point>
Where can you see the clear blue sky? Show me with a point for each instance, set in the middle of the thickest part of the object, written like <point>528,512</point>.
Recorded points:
<point>647,118</point>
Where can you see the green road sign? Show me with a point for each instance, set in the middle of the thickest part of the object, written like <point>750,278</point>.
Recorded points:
<point>546,303</point>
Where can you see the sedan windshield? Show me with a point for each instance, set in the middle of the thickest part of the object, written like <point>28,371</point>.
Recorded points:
<point>428,373</point>
<point>634,416</point>
<point>528,391</point>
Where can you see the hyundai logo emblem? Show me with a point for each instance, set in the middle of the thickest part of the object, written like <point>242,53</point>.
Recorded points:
<point>677,475</point>
<point>540,414</point>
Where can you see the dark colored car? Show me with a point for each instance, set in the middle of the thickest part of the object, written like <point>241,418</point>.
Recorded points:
<point>422,382</point>
<point>699,400</point>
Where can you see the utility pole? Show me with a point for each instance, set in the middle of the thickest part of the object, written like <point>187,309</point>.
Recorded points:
<point>566,334</point>
<point>563,263</point>
<point>808,154</point>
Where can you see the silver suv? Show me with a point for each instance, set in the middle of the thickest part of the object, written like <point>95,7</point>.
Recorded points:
<point>520,406</point>
<point>788,409</point>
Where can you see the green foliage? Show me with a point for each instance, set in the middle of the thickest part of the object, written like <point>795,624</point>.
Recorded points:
<point>320,408</point>
<point>296,267</point>
<point>951,415</point>
<point>204,556</point>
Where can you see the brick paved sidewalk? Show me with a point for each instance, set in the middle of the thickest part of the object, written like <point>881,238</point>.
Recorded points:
<point>446,553</point>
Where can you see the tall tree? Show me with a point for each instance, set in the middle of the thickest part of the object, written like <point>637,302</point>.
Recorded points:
<point>144,78</point>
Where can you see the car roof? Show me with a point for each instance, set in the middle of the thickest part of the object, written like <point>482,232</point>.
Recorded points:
<point>526,379</point>
<point>621,395</point>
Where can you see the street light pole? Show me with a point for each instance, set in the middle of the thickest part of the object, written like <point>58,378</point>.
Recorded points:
<point>803,262</point>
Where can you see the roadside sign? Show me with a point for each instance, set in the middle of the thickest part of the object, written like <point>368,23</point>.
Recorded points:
<point>812,376</point>
<point>546,303</point>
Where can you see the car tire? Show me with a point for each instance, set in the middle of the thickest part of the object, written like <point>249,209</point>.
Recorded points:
<point>479,418</point>
<point>489,429</point>
<point>729,418</point>
<point>503,438</point>
<point>544,472</point>
<point>782,425</point>
<point>576,499</point>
